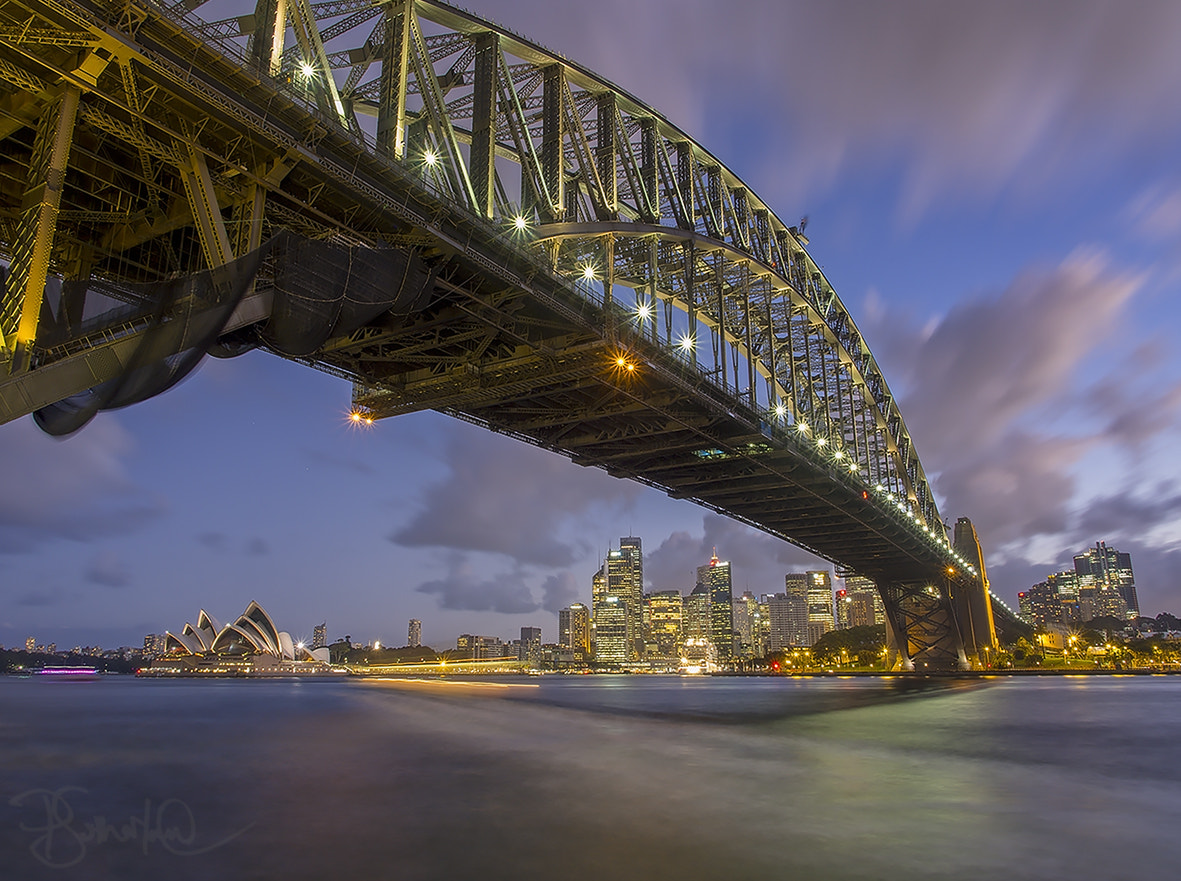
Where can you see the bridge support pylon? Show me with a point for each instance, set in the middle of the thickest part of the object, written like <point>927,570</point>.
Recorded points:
<point>922,632</point>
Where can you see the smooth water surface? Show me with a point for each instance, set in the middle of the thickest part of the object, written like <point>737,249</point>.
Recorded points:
<point>589,777</point>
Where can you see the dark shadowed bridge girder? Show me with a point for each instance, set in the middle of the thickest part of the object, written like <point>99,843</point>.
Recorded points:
<point>452,218</point>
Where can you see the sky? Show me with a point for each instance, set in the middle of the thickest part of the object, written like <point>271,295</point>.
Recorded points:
<point>992,188</point>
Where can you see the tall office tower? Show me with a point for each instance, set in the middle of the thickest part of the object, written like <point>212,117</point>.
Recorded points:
<point>618,570</point>
<point>414,633</point>
<point>746,626</point>
<point>1106,571</point>
<point>531,646</point>
<point>574,631</point>
<point>622,577</point>
<point>715,576</point>
<point>665,614</point>
<point>1025,607</point>
<point>320,635</point>
<point>611,632</point>
<point>764,626</point>
<point>696,621</point>
<point>1040,605</point>
<point>841,607</point>
<point>973,605</point>
<point>820,620</point>
<point>30,644</point>
<point>795,587</point>
<point>781,612</point>
<point>632,587</point>
<point>1065,583</point>
<point>867,605</point>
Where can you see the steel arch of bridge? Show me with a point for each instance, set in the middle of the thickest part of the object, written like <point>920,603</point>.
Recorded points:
<point>154,143</point>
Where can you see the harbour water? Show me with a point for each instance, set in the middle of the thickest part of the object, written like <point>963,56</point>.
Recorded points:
<point>591,777</point>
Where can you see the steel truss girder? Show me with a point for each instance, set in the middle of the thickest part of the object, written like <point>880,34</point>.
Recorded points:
<point>584,151</point>
<point>36,227</point>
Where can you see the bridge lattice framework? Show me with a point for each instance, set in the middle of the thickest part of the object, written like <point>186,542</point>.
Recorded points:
<point>606,287</point>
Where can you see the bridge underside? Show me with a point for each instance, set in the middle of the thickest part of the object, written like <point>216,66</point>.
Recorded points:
<point>136,152</point>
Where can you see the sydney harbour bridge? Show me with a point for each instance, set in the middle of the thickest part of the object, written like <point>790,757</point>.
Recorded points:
<point>451,217</point>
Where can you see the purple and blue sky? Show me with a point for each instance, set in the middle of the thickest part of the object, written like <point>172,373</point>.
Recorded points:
<point>993,188</point>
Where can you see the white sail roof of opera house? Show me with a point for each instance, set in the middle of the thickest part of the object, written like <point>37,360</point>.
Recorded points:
<point>252,632</point>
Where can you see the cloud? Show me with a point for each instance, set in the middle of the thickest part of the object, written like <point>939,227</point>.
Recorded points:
<point>340,462</point>
<point>215,541</point>
<point>758,561</point>
<point>36,599</point>
<point>1155,214</point>
<point>963,97</point>
<point>1128,516</point>
<point>1013,398</point>
<point>503,496</point>
<point>108,570</point>
<point>257,547</point>
<point>76,489</point>
<point>985,384</point>
<point>559,590</point>
<point>463,589</point>
<point>993,360</point>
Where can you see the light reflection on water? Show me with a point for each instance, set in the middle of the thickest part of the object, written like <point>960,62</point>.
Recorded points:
<point>602,777</point>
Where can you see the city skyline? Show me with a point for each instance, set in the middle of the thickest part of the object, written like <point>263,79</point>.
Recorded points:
<point>1003,225</point>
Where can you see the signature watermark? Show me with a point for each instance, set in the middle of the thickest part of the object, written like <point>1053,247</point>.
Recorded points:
<point>62,838</point>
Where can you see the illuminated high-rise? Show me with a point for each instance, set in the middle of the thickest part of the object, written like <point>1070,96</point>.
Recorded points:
<point>611,631</point>
<point>863,603</point>
<point>697,613</point>
<point>820,617</point>
<point>664,616</point>
<point>1104,580</point>
<point>530,651</point>
<point>320,635</point>
<point>631,588</point>
<point>414,633</point>
<point>747,643</point>
<point>574,631</point>
<point>621,579</point>
<point>715,578</point>
<point>789,613</point>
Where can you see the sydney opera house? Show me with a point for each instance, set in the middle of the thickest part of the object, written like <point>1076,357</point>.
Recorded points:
<point>251,645</point>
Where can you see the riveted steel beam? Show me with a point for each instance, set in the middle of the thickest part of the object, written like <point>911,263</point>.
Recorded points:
<point>32,249</point>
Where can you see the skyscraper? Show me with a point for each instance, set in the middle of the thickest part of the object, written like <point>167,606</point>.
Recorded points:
<point>793,611</point>
<point>531,646</point>
<point>611,633</point>
<point>863,602</point>
<point>820,618</point>
<point>320,635</point>
<point>574,631</point>
<point>414,633</point>
<point>1040,605</point>
<point>665,616</point>
<point>715,577</point>
<point>632,588</point>
<point>696,622</point>
<point>621,580</point>
<point>746,626</point>
<point>1104,573</point>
